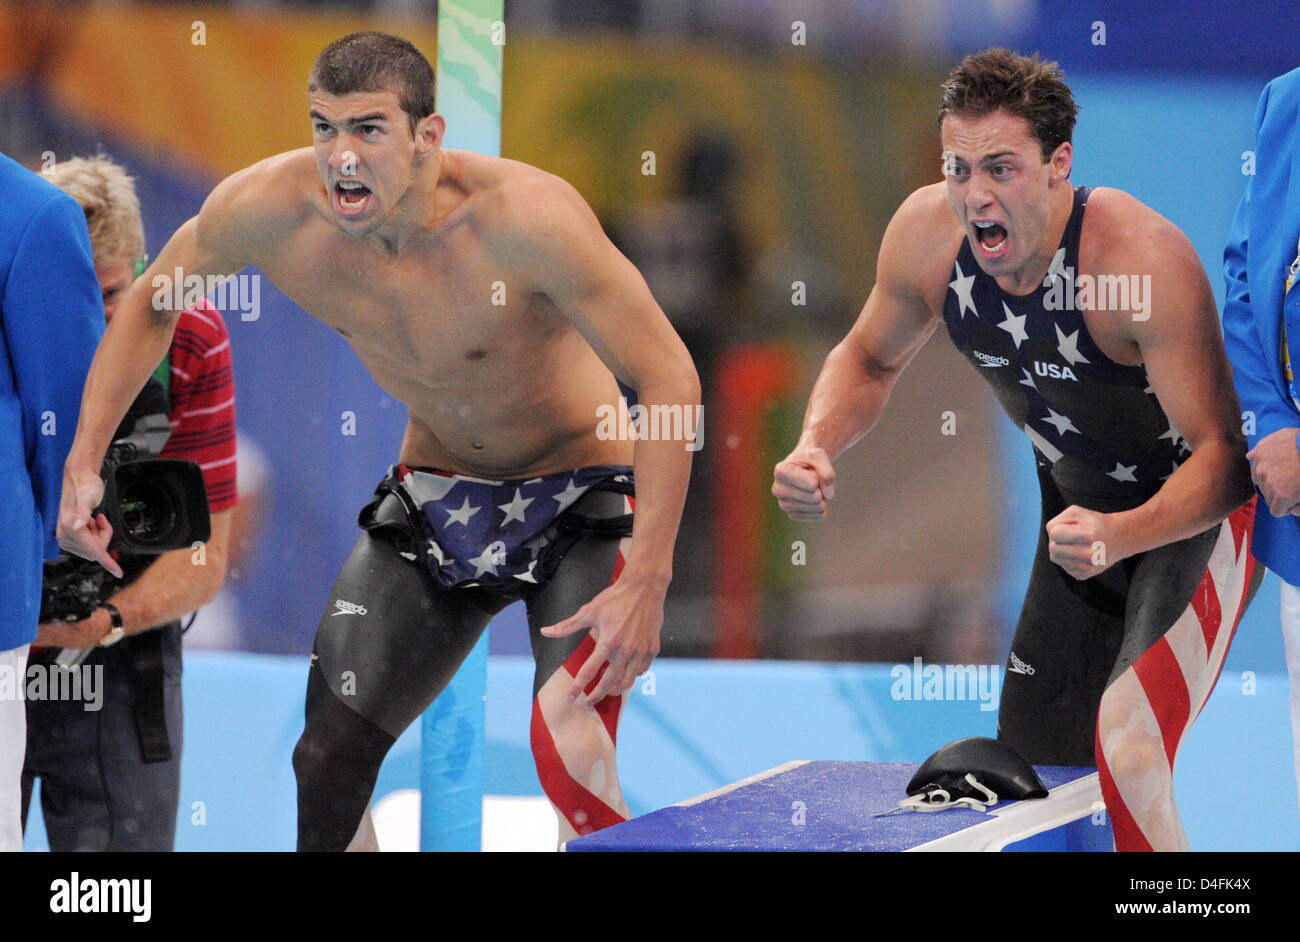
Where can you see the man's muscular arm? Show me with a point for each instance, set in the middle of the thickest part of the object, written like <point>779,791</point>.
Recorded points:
<point>1182,349</point>
<point>859,374</point>
<point>136,340</point>
<point>561,247</point>
<point>173,586</point>
<point>606,298</point>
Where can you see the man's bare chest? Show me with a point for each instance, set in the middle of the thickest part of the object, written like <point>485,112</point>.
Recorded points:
<point>438,309</point>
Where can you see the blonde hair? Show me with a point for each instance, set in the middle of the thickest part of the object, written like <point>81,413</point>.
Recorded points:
<point>107,195</point>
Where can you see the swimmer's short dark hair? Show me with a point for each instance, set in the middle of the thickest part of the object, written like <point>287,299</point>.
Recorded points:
<point>375,62</point>
<point>1024,86</point>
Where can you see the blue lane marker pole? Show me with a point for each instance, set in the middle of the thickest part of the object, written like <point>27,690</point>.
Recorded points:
<point>471,42</point>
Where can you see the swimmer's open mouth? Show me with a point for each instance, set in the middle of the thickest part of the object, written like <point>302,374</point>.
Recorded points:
<point>351,197</point>
<point>992,238</point>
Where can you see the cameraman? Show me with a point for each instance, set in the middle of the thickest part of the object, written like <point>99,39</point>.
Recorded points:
<point>49,325</point>
<point>110,779</point>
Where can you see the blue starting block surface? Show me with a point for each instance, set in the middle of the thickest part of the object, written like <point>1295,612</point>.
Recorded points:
<point>832,806</point>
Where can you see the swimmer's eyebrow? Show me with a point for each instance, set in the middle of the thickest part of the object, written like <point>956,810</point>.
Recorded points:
<point>364,119</point>
<point>987,159</point>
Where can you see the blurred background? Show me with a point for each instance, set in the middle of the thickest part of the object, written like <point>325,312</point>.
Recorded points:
<point>782,135</point>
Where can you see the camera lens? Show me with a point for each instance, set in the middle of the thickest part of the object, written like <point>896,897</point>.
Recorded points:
<point>148,509</point>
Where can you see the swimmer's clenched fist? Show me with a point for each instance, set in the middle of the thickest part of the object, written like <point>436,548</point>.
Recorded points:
<point>1086,543</point>
<point>804,484</point>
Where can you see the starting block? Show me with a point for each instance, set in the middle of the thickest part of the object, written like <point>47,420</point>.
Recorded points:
<point>832,806</point>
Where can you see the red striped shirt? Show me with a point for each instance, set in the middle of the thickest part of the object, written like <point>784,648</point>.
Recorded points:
<point>202,395</point>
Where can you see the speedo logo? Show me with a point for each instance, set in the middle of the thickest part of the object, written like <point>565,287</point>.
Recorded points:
<point>1054,371</point>
<point>347,608</point>
<point>987,359</point>
<point>1020,667</point>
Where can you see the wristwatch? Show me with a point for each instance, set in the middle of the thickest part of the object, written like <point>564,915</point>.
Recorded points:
<point>118,631</point>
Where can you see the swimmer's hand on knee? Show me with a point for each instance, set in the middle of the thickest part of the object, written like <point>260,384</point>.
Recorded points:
<point>804,484</point>
<point>80,531</point>
<point>624,620</point>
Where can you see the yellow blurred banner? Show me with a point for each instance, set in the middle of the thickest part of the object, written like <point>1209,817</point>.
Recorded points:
<point>825,153</point>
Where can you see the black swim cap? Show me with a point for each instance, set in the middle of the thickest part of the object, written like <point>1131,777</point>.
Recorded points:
<point>976,773</point>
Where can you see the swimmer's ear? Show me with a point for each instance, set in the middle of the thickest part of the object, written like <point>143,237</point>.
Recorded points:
<point>1062,159</point>
<point>430,130</point>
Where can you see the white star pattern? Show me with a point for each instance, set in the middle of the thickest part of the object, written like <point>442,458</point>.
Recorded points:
<point>536,543</point>
<point>1171,471</point>
<point>1048,450</point>
<point>569,495</point>
<point>486,561</point>
<point>961,286</point>
<point>1068,346</point>
<point>462,515</point>
<point>1028,380</point>
<point>1057,268</point>
<point>515,509</point>
<point>1061,422</point>
<point>426,488</point>
<point>1015,326</point>
<point>1172,434</point>
<point>1123,472</point>
<point>527,575</point>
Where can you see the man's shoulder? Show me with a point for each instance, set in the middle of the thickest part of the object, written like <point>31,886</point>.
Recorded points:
<point>922,239</point>
<point>1123,234</point>
<point>926,210</point>
<point>515,192</point>
<point>268,199</point>
<point>522,208</point>
<point>1126,242</point>
<point>289,175</point>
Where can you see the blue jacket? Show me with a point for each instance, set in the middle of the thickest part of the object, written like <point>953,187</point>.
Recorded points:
<point>1260,249</point>
<point>51,318</point>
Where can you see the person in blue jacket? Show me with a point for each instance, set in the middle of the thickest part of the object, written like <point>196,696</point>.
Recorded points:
<point>51,319</point>
<point>1261,330</point>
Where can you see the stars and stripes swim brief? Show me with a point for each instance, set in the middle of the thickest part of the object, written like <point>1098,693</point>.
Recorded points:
<point>498,534</point>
